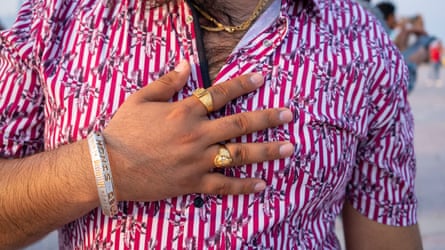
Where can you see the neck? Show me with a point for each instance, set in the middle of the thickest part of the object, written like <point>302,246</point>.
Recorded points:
<point>218,45</point>
<point>228,12</point>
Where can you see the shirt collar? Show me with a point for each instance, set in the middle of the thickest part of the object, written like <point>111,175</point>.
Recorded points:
<point>273,12</point>
<point>312,7</point>
<point>313,4</point>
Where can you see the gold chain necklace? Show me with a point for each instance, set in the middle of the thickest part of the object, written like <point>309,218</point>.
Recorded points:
<point>221,27</point>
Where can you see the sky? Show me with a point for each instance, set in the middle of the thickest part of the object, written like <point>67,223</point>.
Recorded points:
<point>431,10</point>
<point>8,11</point>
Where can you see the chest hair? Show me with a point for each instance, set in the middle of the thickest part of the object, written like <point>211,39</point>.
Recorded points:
<point>218,47</point>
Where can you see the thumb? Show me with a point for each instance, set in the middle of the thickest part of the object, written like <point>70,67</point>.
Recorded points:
<point>166,86</point>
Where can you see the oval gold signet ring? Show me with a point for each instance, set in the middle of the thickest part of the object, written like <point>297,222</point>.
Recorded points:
<point>223,158</point>
<point>205,98</point>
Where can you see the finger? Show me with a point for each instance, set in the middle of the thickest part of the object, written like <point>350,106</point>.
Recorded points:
<point>247,153</point>
<point>224,92</point>
<point>236,125</point>
<point>218,184</point>
<point>166,86</point>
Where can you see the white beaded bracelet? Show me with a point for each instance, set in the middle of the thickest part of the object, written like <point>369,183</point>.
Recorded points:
<point>102,171</point>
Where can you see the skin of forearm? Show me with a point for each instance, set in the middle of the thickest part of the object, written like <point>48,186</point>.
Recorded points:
<point>42,192</point>
<point>362,233</point>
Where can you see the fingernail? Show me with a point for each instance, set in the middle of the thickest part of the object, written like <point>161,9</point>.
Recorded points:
<point>181,66</point>
<point>286,149</point>
<point>257,79</point>
<point>286,115</point>
<point>260,186</point>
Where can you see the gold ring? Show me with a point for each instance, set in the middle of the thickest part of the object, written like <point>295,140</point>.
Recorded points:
<point>205,98</point>
<point>223,158</point>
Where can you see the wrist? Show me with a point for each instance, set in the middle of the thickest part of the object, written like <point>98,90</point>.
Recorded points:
<point>74,161</point>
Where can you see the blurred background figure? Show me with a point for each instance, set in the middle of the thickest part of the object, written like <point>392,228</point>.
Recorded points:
<point>436,49</point>
<point>410,36</point>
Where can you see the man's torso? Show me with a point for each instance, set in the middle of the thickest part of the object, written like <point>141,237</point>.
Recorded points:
<point>94,54</point>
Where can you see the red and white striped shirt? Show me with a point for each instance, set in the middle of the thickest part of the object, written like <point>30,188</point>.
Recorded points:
<point>67,65</point>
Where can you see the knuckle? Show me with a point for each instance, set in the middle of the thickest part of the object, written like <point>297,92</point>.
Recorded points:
<point>172,81</point>
<point>243,83</point>
<point>223,189</point>
<point>269,151</point>
<point>270,116</point>
<point>179,113</point>
<point>184,109</point>
<point>241,122</point>
<point>240,155</point>
<point>191,137</point>
<point>166,79</point>
<point>167,82</point>
<point>220,90</point>
<point>267,118</point>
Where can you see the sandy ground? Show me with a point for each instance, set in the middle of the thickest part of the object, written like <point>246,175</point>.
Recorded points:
<point>428,103</point>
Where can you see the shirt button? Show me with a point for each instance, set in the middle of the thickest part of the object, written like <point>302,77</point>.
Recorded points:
<point>267,43</point>
<point>198,202</point>
<point>189,19</point>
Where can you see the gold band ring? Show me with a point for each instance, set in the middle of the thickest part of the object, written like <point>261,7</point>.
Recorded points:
<point>223,158</point>
<point>205,98</point>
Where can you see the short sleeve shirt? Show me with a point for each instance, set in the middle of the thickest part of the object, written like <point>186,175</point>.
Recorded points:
<point>67,65</point>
